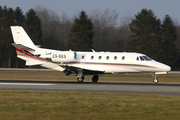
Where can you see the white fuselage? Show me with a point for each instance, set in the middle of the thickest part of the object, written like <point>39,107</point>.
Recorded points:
<point>109,62</point>
<point>84,63</point>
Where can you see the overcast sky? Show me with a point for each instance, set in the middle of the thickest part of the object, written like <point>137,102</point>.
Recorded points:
<point>122,7</point>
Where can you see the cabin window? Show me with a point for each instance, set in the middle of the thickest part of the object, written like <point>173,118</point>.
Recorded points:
<point>92,57</point>
<point>115,57</point>
<point>142,59</point>
<point>123,58</point>
<point>100,57</point>
<point>82,57</point>
<point>137,58</point>
<point>107,58</point>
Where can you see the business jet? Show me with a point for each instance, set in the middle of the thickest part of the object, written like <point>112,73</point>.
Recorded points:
<point>84,63</point>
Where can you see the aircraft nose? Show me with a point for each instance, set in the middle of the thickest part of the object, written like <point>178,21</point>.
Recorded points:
<point>166,68</point>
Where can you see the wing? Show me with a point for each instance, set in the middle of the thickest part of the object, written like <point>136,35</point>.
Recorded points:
<point>87,70</point>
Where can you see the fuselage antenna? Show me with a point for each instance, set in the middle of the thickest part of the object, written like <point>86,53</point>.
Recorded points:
<point>93,50</point>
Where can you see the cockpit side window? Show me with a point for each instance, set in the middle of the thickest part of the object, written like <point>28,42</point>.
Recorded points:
<point>142,59</point>
<point>137,58</point>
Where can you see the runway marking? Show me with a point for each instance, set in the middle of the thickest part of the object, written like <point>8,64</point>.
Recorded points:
<point>25,84</point>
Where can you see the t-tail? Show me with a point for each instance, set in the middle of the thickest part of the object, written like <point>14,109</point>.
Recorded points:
<point>27,50</point>
<point>21,38</point>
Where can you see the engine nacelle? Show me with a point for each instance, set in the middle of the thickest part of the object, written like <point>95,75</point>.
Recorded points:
<point>65,56</point>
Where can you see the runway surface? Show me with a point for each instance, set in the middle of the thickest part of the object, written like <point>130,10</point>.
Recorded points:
<point>141,88</point>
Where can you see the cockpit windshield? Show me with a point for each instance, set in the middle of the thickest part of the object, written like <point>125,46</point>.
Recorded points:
<point>147,58</point>
<point>144,58</point>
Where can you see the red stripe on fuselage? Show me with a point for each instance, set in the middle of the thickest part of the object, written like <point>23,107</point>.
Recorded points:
<point>27,54</point>
<point>110,64</point>
<point>91,63</point>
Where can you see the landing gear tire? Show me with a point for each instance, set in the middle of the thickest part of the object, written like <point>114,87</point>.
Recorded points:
<point>95,78</point>
<point>155,80</point>
<point>80,79</point>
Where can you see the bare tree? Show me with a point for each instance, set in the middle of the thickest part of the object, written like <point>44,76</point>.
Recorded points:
<point>124,31</point>
<point>55,28</point>
<point>177,42</point>
<point>105,24</point>
<point>66,25</point>
<point>178,39</point>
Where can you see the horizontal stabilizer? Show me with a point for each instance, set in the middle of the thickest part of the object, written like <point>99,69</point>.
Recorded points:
<point>22,47</point>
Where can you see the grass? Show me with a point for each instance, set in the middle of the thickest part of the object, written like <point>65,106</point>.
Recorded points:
<point>41,105</point>
<point>49,105</point>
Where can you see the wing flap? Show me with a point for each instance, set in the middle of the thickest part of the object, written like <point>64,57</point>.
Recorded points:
<point>87,70</point>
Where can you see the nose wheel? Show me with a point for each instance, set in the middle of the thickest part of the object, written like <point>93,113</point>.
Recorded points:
<point>155,78</point>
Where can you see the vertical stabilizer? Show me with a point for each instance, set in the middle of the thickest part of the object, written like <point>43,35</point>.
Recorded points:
<point>21,37</point>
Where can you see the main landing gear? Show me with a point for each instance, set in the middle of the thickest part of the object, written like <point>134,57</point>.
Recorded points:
<point>95,78</point>
<point>155,78</point>
<point>81,78</point>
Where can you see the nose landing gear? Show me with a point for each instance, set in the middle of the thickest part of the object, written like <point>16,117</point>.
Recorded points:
<point>155,78</point>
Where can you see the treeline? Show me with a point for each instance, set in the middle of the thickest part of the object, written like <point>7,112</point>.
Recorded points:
<point>10,17</point>
<point>109,33</point>
<point>154,38</point>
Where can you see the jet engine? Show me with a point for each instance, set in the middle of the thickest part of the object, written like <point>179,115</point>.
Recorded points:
<point>64,56</point>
